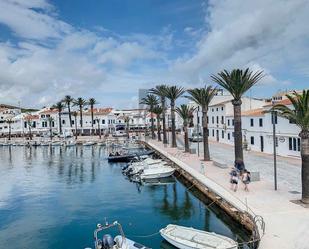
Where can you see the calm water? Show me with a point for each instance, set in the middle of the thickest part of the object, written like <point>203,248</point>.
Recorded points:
<point>53,198</point>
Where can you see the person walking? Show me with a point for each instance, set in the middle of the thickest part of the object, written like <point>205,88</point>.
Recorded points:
<point>234,179</point>
<point>246,178</point>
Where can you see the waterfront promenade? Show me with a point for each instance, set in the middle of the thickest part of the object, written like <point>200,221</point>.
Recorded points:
<point>287,223</point>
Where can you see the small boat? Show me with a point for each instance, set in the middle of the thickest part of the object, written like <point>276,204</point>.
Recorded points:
<point>56,143</point>
<point>119,242</point>
<point>159,181</point>
<point>190,238</point>
<point>128,156</point>
<point>100,144</point>
<point>70,143</point>
<point>157,172</point>
<point>89,143</point>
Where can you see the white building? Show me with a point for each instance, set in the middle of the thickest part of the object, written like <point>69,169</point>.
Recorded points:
<point>257,128</point>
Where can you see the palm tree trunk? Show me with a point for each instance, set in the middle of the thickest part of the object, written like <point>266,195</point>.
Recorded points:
<point>163,121</point>
<point>305,166</point>
<point>9,131</point>
<point>60,125</point>
<point>205,135</point>
<point>152,126</point>
<point>158,129</point>
<point>50,131</point>
<point>75,126</point>
<point>70,116</point>
<point>174,144</point>
<point>92,120</point>
<point>81,116</point>
<point>237,130</point>
<point>187,149</point>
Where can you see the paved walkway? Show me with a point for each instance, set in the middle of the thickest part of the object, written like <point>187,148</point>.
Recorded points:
<point>287,224</point>
<point>288,169</point>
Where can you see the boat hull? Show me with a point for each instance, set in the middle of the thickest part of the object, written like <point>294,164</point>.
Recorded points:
<point>157,175</point>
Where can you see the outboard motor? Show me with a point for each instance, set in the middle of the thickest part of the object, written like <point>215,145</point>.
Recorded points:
<point>107,241</point>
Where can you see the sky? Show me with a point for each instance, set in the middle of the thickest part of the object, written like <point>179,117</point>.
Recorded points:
<point>109,49</point>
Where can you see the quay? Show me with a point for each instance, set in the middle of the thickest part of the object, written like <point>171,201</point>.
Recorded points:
<point>274,216</point>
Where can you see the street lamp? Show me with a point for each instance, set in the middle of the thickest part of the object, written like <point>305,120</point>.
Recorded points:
<point>274,116</point>
<point>198,131</point>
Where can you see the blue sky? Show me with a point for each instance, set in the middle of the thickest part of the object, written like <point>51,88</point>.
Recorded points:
<point>110,49</point>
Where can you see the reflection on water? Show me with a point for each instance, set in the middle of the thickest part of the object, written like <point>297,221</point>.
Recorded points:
<point>53,197</point>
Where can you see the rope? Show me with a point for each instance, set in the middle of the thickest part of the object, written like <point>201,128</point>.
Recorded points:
<point>144,236</point>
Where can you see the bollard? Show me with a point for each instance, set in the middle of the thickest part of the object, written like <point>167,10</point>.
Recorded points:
<point>202,168</point>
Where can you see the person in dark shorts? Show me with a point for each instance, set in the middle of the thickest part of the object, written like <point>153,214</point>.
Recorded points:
<point>246,179</point>
<point>234,179</point>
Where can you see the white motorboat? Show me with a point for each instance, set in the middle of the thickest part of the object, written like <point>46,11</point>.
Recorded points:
<point>135,169</point>
<point>119,242</point>
<point>100,144</point>
<point>157,172</point>
<point>56,143</point>
<point>89,143</point>
<point>70,143</point>
<point>190,238</point>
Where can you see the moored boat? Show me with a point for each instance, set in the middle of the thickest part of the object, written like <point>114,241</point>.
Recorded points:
<point>89,143</point>
<point>157,172</point>
<point>119,242</point>
<point>190,238</point>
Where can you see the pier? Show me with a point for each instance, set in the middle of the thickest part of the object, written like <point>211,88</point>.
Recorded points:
<point>271,216</point>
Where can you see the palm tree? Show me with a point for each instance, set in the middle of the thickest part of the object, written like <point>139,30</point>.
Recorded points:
<point>150,100</point>
<point>75,123</point>
<point>9,121</point>
<point>185,112</point>
<point>92,102</point>
<point>80,102</point>
<point>127,121</point>
<point>59,106</point>
<point>158,110</point>
<point>173,93</point>
<point>50,121</point>
<point>237,83</point>
<point>160,91</point>
<point>68,100</point>
<point>202,97</point>
<point>299,115</point>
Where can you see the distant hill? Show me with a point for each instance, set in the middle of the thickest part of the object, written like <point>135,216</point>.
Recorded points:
<point>16,107</point>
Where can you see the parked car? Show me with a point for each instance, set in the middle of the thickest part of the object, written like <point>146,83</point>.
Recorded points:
<point>196,137</point>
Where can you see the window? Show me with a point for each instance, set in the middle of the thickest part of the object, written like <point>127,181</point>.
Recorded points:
<point>213,133</point>
<point>212,109</point>
<point>252,140</point>
<point>261,122</point>
<point>217,118</point>
<point>228,136</point>
<point>274,116</point>
<point>213,120</point>
<point>72,122</point>
<point>217,109</point>
<point>222,108</point>
<point>222,135</point>
<point>228,122</point>
<point>233,122</point>
<point>103,121</point>
<point>232,134</point>
<point>198,119</point>
<point>222,120</point>
<point>63,121</point>
<point>53,123</point>
<point>294,144</point>
<point>94,121</point>
<point>251,122</point>
<point>207,119</point>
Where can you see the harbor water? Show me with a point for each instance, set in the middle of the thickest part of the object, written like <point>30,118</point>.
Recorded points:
<point>53,198</point>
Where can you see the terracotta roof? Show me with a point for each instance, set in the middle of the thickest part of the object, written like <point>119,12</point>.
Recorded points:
<point>99,111</point>
<point>281,102</point>
<point>49,111</point>
<point>254,112</point>
<point>31,117</point>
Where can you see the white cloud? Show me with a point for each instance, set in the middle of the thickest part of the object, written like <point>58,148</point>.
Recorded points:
<point>26,21</point>
<point>265,32</point>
